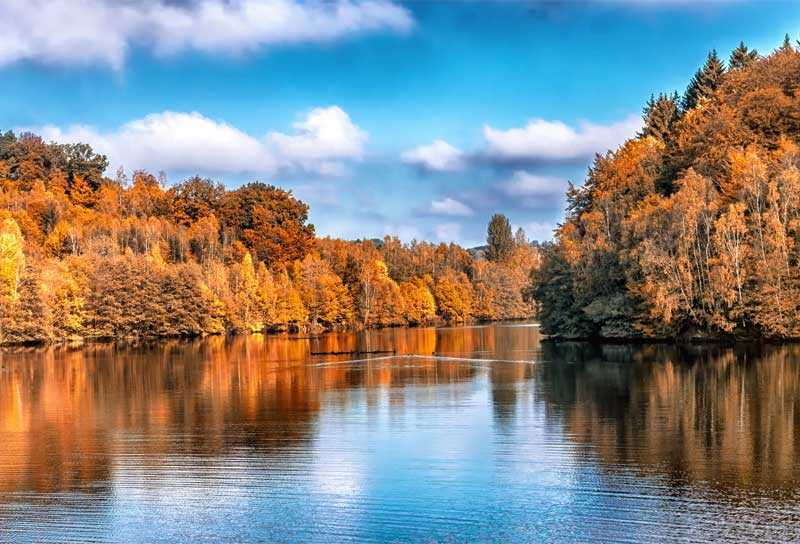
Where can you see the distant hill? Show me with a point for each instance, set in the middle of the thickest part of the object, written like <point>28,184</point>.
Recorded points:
<point>478,252</point>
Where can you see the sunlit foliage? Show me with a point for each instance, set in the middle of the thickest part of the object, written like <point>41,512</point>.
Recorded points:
<point>85,256</point>
<point>690,229</point>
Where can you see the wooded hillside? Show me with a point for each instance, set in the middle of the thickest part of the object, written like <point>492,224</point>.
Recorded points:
<point>691,228</point>
<point>85,256</point>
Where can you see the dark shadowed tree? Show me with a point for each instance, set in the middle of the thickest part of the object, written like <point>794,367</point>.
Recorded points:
<point>742,57</point>
<point>499,239</point>
<point>660,115</point>
<point>787,44</point>
<point>705,81</point>
<point>269,221</point>
<point>195,198</point>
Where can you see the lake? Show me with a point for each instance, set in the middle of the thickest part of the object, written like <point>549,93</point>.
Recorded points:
<point>479,434</point>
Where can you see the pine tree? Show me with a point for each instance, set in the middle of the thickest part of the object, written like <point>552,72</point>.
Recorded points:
<point>787,44</point>
<point>660,115</point>
<point>742,57</point>
<point>704,82</point>
<point>499,239</point>
<point>520,238</point>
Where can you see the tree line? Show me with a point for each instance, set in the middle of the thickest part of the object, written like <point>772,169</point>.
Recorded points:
<point>87,256</point>
<point>691,228</point>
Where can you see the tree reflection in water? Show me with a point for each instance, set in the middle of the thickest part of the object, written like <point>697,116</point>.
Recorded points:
<point>719,415</point>
<point>244,438</point>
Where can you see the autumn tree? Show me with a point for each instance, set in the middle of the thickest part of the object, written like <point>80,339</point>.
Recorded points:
<point>12,258</point>
<point>245,311</point>
<point>269,221</point>
<point>454,297</point>
<point>194,199</point>
<point>84,255</point>
<point>694,234</point>
<point>419,306</point>
<point>23,320</point>
<point>378,296</point>
<point>324,296</point>
<point>290,313</point>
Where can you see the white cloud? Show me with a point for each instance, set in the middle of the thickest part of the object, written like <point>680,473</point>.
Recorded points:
<point>525,184</point>
<point>103,31</point>
<point>447,232</point>
<point>325,134</point>
<point>438,156</point>
<point>528,190</point>
<point>177,141</point>
<point>541,140</point>
<point>449,206</point>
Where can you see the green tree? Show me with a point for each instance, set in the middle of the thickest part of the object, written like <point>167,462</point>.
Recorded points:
<point>660,115</point>
<point>552,288</point>
<point>742,57</point>
<point>499,239</point>
<point>705,81</point>
<point>786,46</point>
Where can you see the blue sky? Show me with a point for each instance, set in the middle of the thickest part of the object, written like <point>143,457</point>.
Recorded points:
<point>415,119</point>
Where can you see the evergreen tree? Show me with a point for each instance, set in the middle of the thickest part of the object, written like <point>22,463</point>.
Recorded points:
<point>742,57</point>
<point>499,239</point>
<point>660,115</point>
<point>787,44</point>
<point>704,82</point>
<point>520,238</point>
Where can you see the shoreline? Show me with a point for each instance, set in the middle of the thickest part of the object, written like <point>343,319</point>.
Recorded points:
<point>299,334</point>
<point>675,341</point>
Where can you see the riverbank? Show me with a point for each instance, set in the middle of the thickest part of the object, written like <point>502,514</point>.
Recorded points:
<point>291,333</point>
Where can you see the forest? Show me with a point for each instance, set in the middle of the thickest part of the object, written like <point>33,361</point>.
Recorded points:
<point>690,229</point>
<point>85,256</point>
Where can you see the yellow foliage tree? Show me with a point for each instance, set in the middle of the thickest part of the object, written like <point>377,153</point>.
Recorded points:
<point>418,303</point>
<point>454,296</point>
<point>12,257</point>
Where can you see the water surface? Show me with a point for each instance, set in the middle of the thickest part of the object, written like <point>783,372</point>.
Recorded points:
<point>464,434</point>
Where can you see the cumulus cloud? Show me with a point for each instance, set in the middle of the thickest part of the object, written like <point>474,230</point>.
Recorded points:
<point>439,156</point>
<point>449,206</point>
<point>322,140</point>
<point>523,183</point>
<point>103,31</point>
<point>533,191</point>
<point>538,141</point>
<point>542,140</point>
<point>178,141</point>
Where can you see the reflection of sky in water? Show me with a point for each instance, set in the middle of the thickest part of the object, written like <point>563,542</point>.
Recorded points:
<point>401,449</point>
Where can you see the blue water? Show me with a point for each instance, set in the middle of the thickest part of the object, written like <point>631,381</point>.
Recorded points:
<point>478,434</point>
